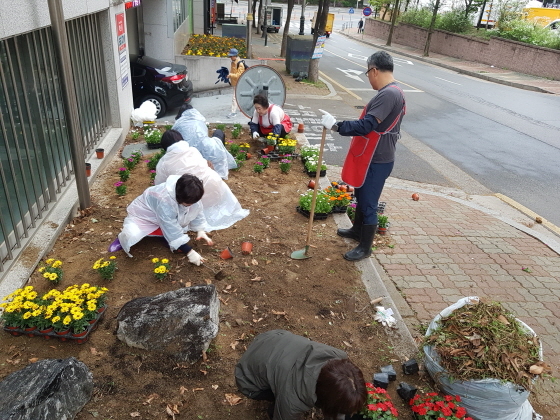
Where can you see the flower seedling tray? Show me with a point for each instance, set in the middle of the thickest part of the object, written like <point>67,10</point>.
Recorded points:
<point>66,337</point>
<point>316,216</point>
<point>339,209</point>
<point>311,174</point>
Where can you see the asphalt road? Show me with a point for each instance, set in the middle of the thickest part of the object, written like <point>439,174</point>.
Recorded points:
<point>459,131</point>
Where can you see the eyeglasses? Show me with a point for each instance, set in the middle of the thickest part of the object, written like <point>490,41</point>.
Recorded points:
<point>365,74</point>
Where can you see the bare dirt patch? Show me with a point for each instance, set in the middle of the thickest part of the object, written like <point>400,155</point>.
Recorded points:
<point>321,298</point>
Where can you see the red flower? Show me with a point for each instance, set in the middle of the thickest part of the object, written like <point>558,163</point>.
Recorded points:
<point>432,394</point>
<point>422,411</point>
<point>446,411</point>
<point>461,412</point>
<point>369,385</point>
<point>457,398</point>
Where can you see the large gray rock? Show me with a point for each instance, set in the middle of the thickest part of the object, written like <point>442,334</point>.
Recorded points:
<point>180,323</point>
<point>49,389</point>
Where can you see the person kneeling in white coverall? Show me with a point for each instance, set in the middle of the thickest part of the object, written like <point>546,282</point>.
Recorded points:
<point>172,209</point>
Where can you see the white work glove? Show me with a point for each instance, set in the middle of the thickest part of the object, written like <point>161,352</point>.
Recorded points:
<point>194,257</point>
<point>328,120</point>
<point>256,135</point>
<point>202,235</point>
<point>385,317</point>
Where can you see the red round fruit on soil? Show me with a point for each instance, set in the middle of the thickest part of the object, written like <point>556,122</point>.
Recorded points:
<point>415,197</point>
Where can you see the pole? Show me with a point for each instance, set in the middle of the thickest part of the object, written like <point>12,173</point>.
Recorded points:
<point>249,30</point>
<point>62,51</point>
<point>302,19</point>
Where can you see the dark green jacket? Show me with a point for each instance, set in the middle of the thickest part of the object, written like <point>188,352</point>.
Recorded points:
<point>289,366</point>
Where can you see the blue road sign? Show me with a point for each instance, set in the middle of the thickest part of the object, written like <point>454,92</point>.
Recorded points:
<point>351,11</point>
<point>366,11</point>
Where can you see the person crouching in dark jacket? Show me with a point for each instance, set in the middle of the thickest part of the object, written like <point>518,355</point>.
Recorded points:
<point>297,374</point>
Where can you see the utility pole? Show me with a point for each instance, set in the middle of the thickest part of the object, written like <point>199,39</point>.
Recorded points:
<point>68,88</point>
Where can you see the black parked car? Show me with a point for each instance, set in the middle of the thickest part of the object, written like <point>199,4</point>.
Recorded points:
<point>166,85</point>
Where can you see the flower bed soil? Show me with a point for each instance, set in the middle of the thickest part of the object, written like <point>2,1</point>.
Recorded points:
<point>322,298</point>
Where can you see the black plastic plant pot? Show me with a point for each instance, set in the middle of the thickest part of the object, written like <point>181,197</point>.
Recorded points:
<point>381,380</point>
<point>339,209</point>
<point>381,207</point>
<point>311,174</point>
<point>316,216</point>
<point>152,146</point>
<point>390,371</point>
<point>410,367</point>
<point>406,391</point>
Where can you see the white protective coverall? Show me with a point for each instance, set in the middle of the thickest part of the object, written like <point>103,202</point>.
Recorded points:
<point>157,207</point>
<point>221,208</point>
<point>193,128</point>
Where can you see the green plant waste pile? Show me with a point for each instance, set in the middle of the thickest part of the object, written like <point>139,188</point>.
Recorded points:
<point>485,341</point>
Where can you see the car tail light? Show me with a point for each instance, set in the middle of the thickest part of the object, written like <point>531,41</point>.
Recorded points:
<point>178,78</point>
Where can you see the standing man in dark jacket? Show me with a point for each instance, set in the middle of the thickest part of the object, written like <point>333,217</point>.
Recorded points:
<point>371,155</point>
<point>297,374</point>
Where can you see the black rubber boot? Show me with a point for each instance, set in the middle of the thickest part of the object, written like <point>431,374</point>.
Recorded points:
<point>355,231</point>
<point>363,250</point>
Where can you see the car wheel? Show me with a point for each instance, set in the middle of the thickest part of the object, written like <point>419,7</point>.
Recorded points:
<point>277,30</point>
<point>158,102</point>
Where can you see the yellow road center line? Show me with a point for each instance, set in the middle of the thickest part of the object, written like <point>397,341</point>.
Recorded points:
<point>528,212</point>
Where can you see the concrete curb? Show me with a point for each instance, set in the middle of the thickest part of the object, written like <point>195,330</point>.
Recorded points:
<point>404,344</point>
<point>449,67</point>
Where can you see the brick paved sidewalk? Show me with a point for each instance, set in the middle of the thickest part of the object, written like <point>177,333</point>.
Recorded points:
<point>446,250</point>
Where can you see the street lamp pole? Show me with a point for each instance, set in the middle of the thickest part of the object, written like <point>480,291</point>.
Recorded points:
<point>302,18</point>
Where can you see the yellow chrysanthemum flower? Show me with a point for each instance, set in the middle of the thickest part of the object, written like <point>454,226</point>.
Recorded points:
<point>164,261</point>
<point>67,320</point>
<point>112,257</point>
<point>41,269</point>
<point>50,260</point>
<point>55,319</point>
<point>46,275</point>
<point>155,260</point>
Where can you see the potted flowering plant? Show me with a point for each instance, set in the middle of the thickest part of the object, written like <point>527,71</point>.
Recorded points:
<point>124,174</point>
<point>258,167</point>
<point>312,165</point>
<point>382,224</point>
<point>351,211</point>
<point>265,161</point>
<point>52,271</point>
<point>161,267</point>
<point>323,205</point>
<point>106,269</point>
<point>340,199</point>
<point>287,146</point>
<point>378,405</point>
<point>153,138</point>
<point>433,406</point>
<point>285,165</point>
<point>233,149</point>
<point>244,147</point>
<point>120,188</point>
<point>309,152</point>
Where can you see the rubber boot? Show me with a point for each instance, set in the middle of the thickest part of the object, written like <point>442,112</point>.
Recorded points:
<point>355,231</point>
<point>363,250</point>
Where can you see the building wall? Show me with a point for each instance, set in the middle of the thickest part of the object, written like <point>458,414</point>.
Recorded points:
<point>24,16</point>
<point>498,52</point>
<point>30,16</point>
<point>158,29</point>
